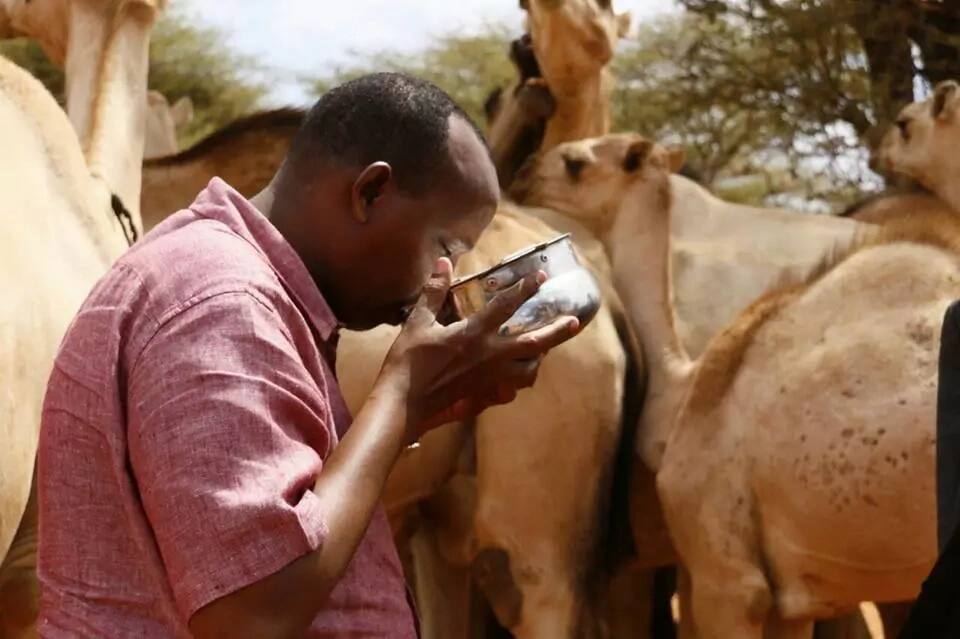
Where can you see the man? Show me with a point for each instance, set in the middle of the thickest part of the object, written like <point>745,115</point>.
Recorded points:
<point>196,471</point>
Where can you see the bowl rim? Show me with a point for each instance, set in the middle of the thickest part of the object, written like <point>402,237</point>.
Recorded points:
<point>510,259</point>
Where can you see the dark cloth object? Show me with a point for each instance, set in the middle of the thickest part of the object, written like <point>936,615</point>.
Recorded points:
<point>948,428</point>
<point>936,614</point>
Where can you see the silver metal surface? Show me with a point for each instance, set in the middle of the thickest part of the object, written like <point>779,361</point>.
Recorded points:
<point>569,290</point>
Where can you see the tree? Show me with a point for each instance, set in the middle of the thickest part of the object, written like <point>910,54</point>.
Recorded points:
<point>837,71</point>
<point>468,67</point>
<point>767,119</point>
<point>898,40</point>
<point>185,60</point>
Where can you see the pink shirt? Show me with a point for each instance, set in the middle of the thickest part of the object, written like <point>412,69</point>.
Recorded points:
<point>190,410</point>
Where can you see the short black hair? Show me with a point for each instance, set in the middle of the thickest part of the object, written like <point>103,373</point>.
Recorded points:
<point>389,117</point>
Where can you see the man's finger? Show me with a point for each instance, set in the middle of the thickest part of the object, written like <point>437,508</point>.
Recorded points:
<point>506,303</point>
<point>434,293</point>
<point>538,342</point>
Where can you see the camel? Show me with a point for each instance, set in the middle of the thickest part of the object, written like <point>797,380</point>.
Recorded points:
<point>563,88</point>
<point>65,223</point>
<point>918,148</point>
<point>50,23</point>
<point>517,117</point>
<point>245,153</point>
<point>530,569</point>
<point>574,41</point>
<point>724,255</point>
<point>765,489</point>
<point>921,182</point>
<point>45,21</point>
<point>163,124</point>
<point>884,207</point>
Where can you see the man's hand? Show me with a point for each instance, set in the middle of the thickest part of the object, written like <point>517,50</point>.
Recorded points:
<point>448,373</point>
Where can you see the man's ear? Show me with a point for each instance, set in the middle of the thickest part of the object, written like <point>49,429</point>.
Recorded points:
<point>368,187</point>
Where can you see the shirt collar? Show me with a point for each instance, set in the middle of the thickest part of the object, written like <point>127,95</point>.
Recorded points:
<point>223,203</point>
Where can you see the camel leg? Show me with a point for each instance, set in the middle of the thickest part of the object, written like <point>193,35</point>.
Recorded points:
<point>664,587</point>
<point>443,591</point>
<point>777,628</point>
<point>628,606</point>
<point>851,626</point>
<point>718,615</point>
<point>685,629</point>
<point>19,589</point>
<point>894,617</point>
<point>734,601</point>
<point>441,549</point>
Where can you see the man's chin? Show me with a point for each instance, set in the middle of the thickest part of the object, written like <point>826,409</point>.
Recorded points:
<point>397,317</point>
<point>393,318</point>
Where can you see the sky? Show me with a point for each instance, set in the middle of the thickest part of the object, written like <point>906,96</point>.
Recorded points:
<point>295,38</point>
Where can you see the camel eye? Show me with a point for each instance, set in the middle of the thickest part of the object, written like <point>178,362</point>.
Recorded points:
<point>574,167</point>
<point>904,126</point>
<point>603,4</point>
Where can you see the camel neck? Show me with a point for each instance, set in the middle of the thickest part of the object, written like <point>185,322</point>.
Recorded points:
<point>951,194</point>
<point>582,109</point>
<point>640,250</point>
<point>107,99</point>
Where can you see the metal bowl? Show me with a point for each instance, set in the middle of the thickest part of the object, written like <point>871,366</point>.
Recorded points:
<point>569,290</point>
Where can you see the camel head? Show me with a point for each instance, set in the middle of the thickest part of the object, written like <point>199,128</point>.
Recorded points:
<point>922,146</point>
<point>48,21</point>
<point>588,179</point>
<point>573,37</point>
<point>45,21</point>
<point>6,21</point>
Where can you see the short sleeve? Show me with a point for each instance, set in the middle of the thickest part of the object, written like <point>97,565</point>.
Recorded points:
<point>226,433</point>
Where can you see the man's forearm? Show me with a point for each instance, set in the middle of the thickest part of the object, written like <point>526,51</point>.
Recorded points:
<point>349,489</point>
<point>354,476</point>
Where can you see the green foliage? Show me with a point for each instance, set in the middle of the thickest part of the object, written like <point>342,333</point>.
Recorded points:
<point>745,101</point>
<point>467,67</point>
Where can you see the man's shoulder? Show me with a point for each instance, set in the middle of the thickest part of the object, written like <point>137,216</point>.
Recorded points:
<point>195,260</point>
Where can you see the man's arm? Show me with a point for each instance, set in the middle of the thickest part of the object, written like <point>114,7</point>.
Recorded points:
<point>349,488</point>
<point>429,369</point>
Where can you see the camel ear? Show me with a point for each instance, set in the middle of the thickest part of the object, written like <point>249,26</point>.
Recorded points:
<point>182,112</point>
<point>946,99</point>
<point>155,98</point>
<point>636,155</point>
<point>676,157</point>
<point>623,24</point>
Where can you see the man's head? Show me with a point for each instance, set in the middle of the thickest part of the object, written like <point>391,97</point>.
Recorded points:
<point>385,176</point>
